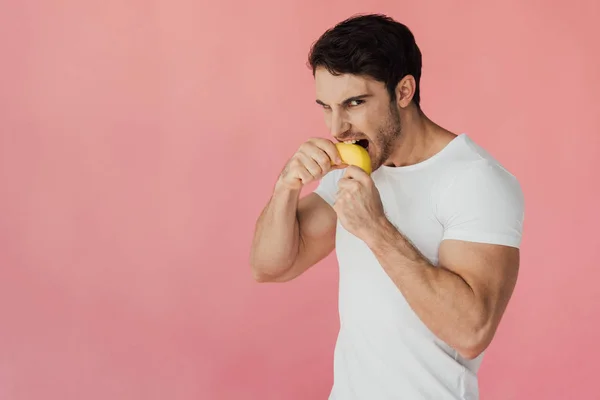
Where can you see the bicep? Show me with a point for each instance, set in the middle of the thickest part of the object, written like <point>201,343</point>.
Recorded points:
<point>316,224</point>
<point>490,270</point>
<point>482,216</point>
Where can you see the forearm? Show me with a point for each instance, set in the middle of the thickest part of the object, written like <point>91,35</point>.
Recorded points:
<point>276,237</point>
<point>445,303</point>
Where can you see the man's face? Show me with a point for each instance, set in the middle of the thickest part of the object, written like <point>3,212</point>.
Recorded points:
<point>359,108</point>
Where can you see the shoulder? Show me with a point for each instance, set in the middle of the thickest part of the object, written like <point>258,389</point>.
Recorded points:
<point>480,200</point>
<point>475,170</point>
<point>479,178</point>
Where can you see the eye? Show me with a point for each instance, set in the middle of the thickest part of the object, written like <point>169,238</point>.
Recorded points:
<point>355,103</point>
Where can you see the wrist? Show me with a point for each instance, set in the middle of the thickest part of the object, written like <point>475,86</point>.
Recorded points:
<point>381,234</point>
<point>283,189</point>
<point>387,238</point>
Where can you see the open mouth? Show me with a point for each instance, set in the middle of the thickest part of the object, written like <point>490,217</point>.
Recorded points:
<point>362,142</point>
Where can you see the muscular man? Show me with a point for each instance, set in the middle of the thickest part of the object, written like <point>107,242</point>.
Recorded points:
<point>428,245</point>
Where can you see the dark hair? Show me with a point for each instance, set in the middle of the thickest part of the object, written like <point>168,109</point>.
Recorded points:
<point>374,45</point>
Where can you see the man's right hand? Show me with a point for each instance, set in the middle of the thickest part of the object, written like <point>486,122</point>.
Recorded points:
<point>315,158</point>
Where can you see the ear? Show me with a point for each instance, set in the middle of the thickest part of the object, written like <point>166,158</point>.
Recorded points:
<point>405,90</point>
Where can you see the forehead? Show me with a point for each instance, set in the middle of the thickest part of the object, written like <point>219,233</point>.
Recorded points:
<point>337,88</point>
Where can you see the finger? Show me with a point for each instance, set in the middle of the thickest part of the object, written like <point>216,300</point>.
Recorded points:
<point>347,188</point>
<point>305,176</point>
<point>357,173</point>
<point>321,158</point>
<point>310,165</point>
<point>339,166</point>
<point>329,148</point>
<point>347,183</point>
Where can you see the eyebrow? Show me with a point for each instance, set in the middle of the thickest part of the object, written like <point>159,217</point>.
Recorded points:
<point>348,100</point>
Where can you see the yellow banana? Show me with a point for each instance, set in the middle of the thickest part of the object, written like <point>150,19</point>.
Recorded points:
<point>354,154</point>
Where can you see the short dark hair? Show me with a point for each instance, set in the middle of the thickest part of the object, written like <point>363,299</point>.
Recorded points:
<point>374,45</point>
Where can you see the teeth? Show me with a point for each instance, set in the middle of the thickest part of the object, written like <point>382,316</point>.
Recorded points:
<point>350,141</point>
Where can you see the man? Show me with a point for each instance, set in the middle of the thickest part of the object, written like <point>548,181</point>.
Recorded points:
<point>428,244</point>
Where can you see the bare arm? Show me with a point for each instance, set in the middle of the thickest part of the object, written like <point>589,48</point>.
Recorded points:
<point>461,301</point>
<point>291,236</point>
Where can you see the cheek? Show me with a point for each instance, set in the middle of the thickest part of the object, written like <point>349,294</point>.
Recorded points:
<point>362,122</point>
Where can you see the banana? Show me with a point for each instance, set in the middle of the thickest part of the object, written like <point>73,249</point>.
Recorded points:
<point>354,154</point>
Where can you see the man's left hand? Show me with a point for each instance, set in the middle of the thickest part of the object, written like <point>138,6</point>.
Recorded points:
<point>358,204</point>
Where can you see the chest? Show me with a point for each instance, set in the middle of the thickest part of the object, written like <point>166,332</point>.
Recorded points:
<point>410,205</point>
<point>365,288</point>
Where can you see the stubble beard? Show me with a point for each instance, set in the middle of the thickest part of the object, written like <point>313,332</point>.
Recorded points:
<point>387,136</point>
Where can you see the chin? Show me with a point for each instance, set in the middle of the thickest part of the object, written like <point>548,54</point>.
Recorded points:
<point>375,161</point>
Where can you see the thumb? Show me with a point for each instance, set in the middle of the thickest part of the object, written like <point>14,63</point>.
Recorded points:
<point>339,166</point>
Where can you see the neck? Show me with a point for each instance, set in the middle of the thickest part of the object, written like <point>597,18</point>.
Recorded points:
<point>419,140</point>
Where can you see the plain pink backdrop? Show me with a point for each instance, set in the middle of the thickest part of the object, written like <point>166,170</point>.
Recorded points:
<point>140,140</point>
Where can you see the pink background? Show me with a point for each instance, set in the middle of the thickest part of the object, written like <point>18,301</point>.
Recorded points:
<point>139,141</point>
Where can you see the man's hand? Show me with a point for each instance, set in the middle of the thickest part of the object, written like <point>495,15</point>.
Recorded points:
<point>358,204</point>
<point>315,158</point>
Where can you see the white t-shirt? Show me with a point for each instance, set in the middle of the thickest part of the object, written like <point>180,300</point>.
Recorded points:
<point>383,350</point>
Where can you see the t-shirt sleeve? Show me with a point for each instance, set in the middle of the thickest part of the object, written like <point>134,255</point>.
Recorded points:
<point>483,204</point>
<point>328,186</point>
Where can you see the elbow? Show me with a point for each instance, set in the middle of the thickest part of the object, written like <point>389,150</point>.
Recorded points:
<point>471,353</point>
<point>264,277</point>
<point>259,276</point>
<point>260,273</point>
<point>257,270</point>
<point>475,343</point>
<point>257,273</point>
<point>268,271</point>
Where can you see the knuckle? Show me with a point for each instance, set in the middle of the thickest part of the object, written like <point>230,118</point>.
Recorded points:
<point>313,142</point>
<point>306,145</point>
<point>295,163</point>
<point>322,159</point>
<point>309,149</point>
<point>321,143</point>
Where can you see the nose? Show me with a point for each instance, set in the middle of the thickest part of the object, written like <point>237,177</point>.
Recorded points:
<point>338,124</point>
